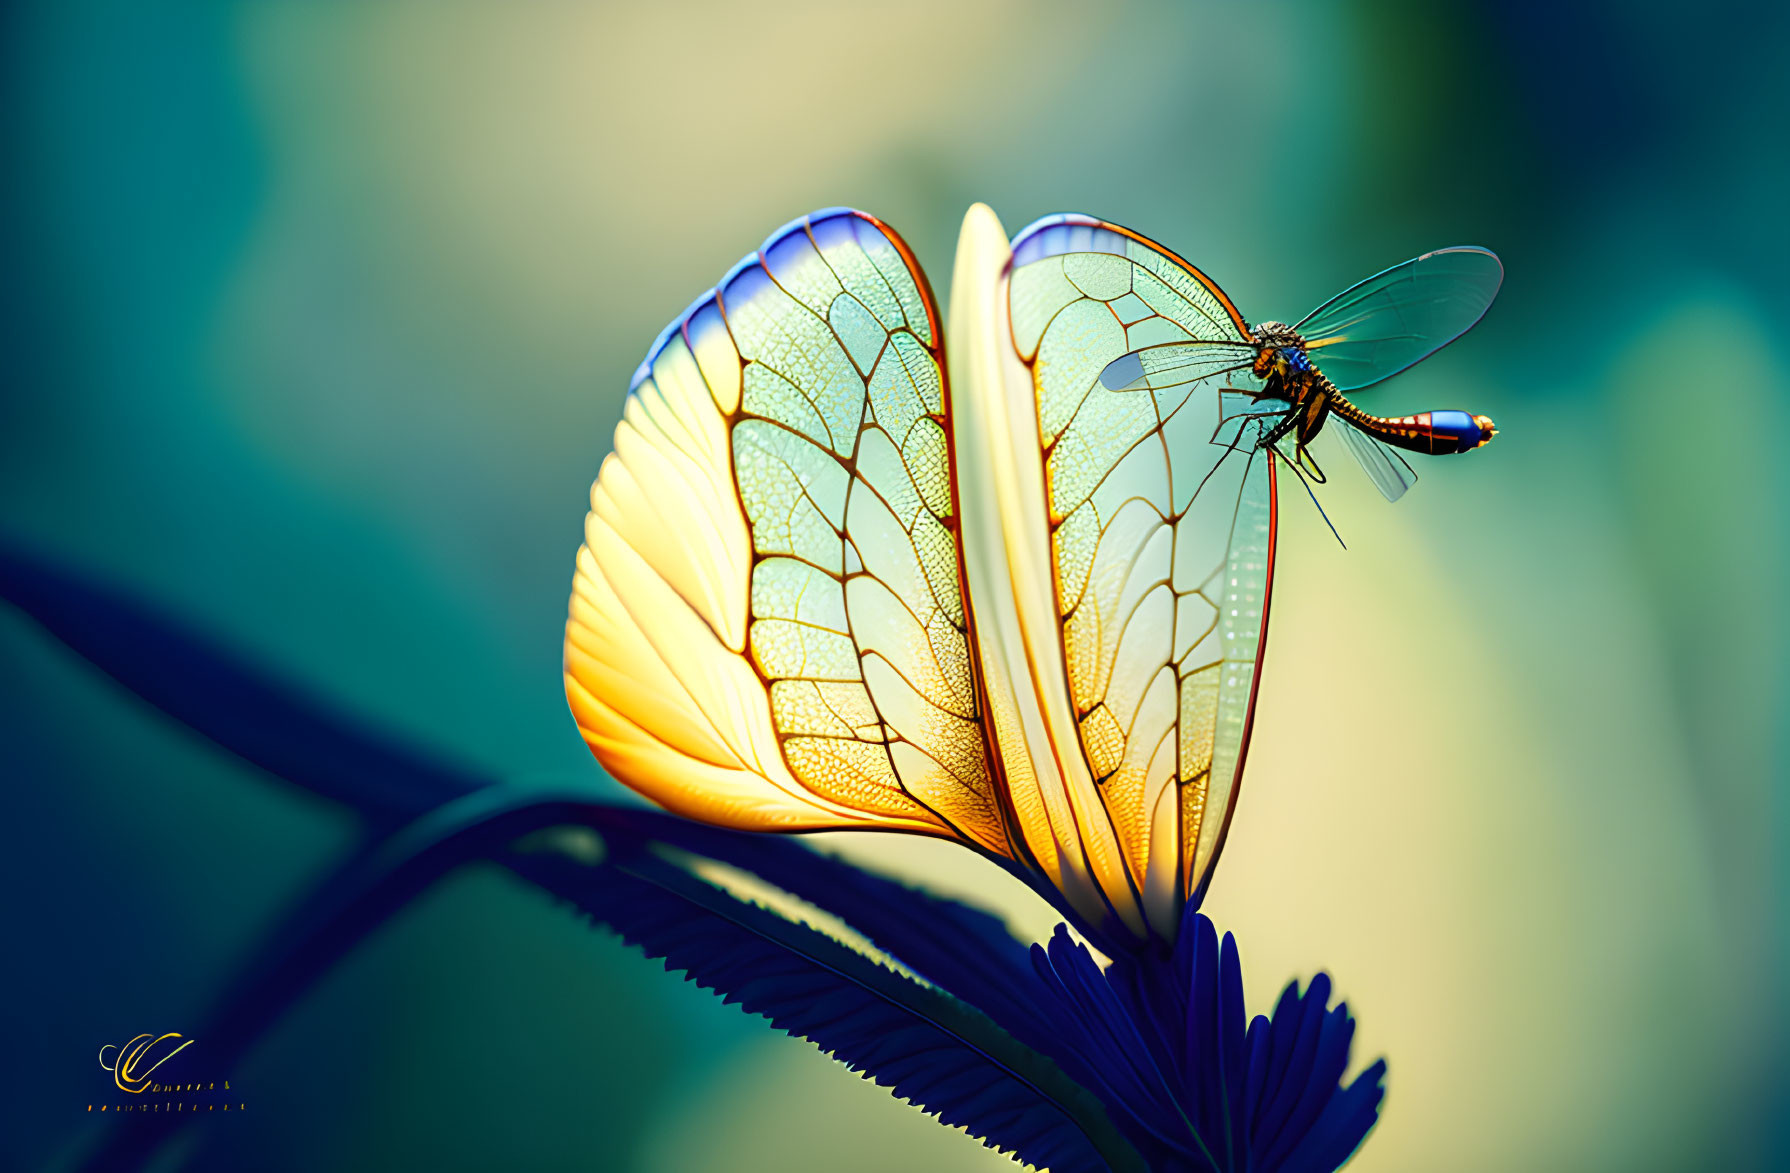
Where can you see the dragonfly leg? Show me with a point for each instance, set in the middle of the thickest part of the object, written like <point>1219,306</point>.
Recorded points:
<point>1286,424</point>
<point>1310,465</point>
<point>1254,396</point>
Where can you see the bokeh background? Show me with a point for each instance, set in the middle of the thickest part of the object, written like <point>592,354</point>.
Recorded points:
<point>318,316</point>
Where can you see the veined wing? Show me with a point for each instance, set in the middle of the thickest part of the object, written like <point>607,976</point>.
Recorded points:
<point>1173,364</point>
<point>1389,471</point>
<point>1393,320</point>
<point>768,625</point>
<point>1161,510</point>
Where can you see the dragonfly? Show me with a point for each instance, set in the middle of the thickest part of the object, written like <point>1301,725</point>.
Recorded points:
<point>1012,592</point>
<point>1364,335</point>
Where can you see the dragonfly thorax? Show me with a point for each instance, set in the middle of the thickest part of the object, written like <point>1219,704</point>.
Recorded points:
<point>1279,349</point>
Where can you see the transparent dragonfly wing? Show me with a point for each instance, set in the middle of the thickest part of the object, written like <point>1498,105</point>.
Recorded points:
<point>1385,468</point>
<point>1173,364</point>
<point>768,628</point>
<point>1161,507</point>
<point>1395,319</point>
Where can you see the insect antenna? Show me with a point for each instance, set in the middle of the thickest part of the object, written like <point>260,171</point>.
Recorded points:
<point>1307,480</point>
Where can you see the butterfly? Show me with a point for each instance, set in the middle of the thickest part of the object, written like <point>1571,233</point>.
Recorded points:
<point>1011,593</point>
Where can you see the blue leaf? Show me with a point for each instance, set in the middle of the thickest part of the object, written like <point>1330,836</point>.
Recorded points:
<point>1163,1041</point>
<point>954,945</point>
<point>928,1047</point>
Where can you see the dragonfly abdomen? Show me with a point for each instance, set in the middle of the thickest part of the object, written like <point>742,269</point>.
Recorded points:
<point>1433,433</point>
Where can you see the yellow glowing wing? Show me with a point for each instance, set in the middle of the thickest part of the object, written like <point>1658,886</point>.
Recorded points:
<point>1161,535</point>
<point>768,624</point>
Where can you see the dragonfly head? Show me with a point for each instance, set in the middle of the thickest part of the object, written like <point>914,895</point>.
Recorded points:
<point>1487,429</point>
<point>1279,350</point>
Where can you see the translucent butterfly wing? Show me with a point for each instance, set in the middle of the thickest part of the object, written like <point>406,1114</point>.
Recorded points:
<point>768,627</point>
<point>1161,512</point>
<point>1392,320</point>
